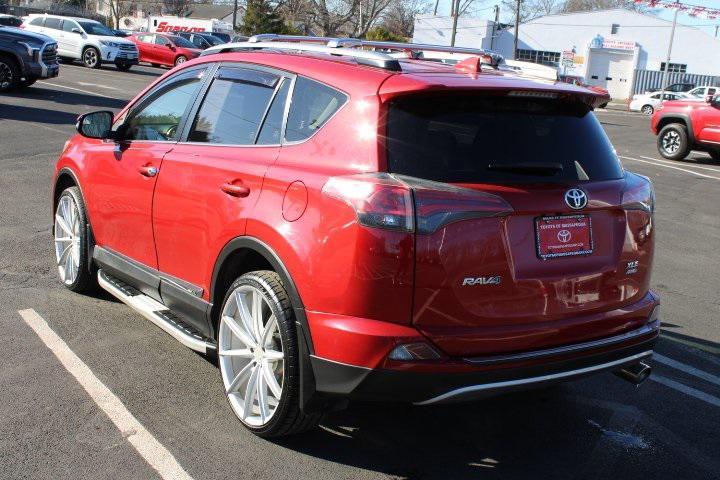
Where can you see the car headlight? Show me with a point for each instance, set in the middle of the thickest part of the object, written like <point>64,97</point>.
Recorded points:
<point>108,43</point>
<point>33,51</point>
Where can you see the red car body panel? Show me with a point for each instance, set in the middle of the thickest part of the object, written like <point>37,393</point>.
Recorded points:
<point>162,54</point>
<point>366,290</point>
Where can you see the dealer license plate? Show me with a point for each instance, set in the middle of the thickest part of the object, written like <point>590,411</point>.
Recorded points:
<point>563,236</point>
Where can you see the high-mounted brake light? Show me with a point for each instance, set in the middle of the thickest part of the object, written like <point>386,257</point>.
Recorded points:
<point>531,94</point>
<point>382,200</point>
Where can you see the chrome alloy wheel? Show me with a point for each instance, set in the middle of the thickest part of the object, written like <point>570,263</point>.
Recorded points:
<point>67,239</point>
<point>6,76</point>
<point>90,57</point>
<point>648,110</point>
<point>251,356</point>
<point>671,142</point>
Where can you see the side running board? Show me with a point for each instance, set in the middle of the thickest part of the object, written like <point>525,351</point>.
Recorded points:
<point>156,312</point>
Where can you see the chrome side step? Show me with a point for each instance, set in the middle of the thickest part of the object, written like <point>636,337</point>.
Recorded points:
<point>156,312</point>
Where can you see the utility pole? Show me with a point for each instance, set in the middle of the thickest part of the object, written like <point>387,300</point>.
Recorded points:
<point>716,30</point>
<point>517,28</point>
<point>438,1</point>
<point>669,53</point>
<point>455,13</point>
<point>494,28</point>
<point>235,14</point>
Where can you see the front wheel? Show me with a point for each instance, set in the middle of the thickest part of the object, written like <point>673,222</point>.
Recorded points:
<point>180,59</point>
<point>27,81</point>
<point>123,67</point>
<point>71,241</point>
<point>672,142</point>
<point>647,109</point>
<point>258,356</point>
<point>91,57</point>
<point>9,74</point>
<point>715,155</point>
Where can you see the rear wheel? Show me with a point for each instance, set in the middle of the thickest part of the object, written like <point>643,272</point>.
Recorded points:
<point>91,57</point>
<point>258,356</point>
<point>9,73</point>
<point>647,109</point>
<point>715,154</point>
<point>672,142</point>
<point>123,67</point>
<point>180,59</point>
<point>71,242</point>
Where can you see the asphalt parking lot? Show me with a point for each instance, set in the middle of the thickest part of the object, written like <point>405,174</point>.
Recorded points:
<point>52,425</point>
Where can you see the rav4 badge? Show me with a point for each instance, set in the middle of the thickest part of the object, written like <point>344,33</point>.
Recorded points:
<point>470,281</point>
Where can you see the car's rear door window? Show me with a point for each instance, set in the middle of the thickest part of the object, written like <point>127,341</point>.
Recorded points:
<point>54,23</point>
<point>476,139</point>
<point>312,106</point>
<point>234,107</point>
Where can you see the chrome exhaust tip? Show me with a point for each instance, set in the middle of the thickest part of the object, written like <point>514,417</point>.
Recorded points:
<point>635,373</point>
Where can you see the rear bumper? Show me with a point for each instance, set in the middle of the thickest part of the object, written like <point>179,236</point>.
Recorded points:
<point>484,378</point>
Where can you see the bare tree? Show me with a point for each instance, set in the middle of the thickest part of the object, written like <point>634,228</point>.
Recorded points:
<point>116,9</point>
<point>399,17</point>
<point>586,5</point>
<point>176,7</point>
<point>333,16</point>
<point>368,13</point>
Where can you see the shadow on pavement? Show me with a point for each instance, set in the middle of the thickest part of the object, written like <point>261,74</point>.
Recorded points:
<point>61,97</point>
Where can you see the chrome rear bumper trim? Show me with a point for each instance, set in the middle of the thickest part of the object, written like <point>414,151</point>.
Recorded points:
<point>497,387</point>
<point>574,348</point>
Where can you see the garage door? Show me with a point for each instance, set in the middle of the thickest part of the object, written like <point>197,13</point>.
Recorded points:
<point>612,70</point>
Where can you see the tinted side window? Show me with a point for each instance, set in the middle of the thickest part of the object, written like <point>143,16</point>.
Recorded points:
<point>159,118</point>
<point>54,23</point>
<point>161,40</point>
<point>234,107</point>
<point>312,105</point>
<point>37,21</point>
<point>68,25</point>
<point>271,130</point>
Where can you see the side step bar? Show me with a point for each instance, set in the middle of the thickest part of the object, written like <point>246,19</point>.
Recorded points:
<point>156,312</point>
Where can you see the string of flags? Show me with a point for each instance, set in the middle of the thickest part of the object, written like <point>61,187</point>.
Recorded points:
<point>692,10</point>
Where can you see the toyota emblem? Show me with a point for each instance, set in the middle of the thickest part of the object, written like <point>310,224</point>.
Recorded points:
<point>563,236</point>
<point>576,199</point>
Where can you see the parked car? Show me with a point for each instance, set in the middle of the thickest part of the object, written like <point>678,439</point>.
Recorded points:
<point>702,93</point>
<point>160,49</point>
<point>675,88</point>
<point>684,125</point>
<point>25,57</point>
<point>224,37</point>
<point>240,38</point>
<point>86,40</point>
<point>324,224</point>
<point>121,33</point>
<point>10,20</point>
<point>649,102</point>
<point>201,40</point>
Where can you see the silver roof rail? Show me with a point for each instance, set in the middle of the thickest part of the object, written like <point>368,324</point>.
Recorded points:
<point>363,57</point>
<point>351,47</point>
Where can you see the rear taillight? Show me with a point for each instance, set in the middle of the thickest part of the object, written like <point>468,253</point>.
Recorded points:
<point>638,194</point>
<point>379,200</point>
<point>382,200</point>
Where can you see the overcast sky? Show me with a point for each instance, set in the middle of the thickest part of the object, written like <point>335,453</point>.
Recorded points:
<point>484,9</point>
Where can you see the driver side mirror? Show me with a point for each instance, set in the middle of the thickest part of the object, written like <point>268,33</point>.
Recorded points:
<point>171,46</point>
<point>715,101</point>
<point>95,124</point>
<point>77,30</point>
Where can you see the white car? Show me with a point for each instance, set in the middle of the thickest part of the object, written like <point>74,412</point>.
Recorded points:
<point>86,40</point>
<point>648,102</point>
<point>701,93</point>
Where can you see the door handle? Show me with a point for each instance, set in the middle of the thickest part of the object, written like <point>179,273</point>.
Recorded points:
<point>148,171</point>
<point>234,190</point>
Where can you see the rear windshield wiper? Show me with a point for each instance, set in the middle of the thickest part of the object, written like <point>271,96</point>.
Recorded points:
<point>548,169</point>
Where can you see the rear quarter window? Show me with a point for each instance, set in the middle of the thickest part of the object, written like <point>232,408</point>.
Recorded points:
<point>313,104</point>
<point>474,139</point>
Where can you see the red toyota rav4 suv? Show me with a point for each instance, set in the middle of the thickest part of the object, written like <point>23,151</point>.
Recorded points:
<point>336,223</point>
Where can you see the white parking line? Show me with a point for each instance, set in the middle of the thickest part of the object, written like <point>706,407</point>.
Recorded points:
<point>693,392</point>
<point>685,164</point>
<point>670,166</point>
<point>154,453</point>
<point>686,368</point>
<point>79,90</point>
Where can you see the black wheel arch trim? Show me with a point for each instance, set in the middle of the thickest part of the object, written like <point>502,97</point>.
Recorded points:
<point>684,119</point>
<point>18,59</point>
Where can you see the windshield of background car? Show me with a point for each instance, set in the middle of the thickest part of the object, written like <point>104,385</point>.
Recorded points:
<point>181,42</point>
<point>213,40</point>
<point>474,139</point>
<point>10,21</point>
<point>92,28</point>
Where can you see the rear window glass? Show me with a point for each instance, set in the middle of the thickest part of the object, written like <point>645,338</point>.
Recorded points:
<point>53,23</point>
<point>498,140</point>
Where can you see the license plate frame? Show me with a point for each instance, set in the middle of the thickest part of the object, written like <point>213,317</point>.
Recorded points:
<point>557,248</point>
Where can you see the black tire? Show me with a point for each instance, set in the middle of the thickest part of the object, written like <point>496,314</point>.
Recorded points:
<point>647,109</point>
<point>672,141</point>
<point>9,73</point>
<point>27,81</point>
<point>287,419</point>
<point>715,155</point>
<point>603,105</point>
<point>180,59</point>
<point>156,65</point>
<point>86,279</point>
<point>91,57</point>
<point>123,67</point>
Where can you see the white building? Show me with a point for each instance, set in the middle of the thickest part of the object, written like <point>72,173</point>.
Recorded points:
<point>606,47</point>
